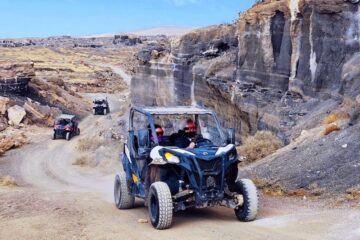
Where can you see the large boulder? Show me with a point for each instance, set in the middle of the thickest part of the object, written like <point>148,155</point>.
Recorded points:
<point>11,138</point>
<point>16,114</point>
<point>4,101</point>
<point>40,114</point>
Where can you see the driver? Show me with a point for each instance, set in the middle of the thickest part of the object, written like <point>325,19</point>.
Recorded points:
<point>186,137</point>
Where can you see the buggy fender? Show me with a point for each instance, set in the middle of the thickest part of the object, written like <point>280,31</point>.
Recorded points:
<point>225,149</point>
<point>156,158</point>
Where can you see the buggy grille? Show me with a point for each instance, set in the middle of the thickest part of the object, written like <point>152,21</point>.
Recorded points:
<point>212,165</point>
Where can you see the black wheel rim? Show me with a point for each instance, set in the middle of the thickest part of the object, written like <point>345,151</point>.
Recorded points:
<point>154,209</point>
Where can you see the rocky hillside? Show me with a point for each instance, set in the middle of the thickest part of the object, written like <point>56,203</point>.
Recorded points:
<point>42,78</point>
<point>284,66</point>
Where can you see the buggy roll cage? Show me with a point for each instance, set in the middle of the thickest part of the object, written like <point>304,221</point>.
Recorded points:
<point>189,110</point>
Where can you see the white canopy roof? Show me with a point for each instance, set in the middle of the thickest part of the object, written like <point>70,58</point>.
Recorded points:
<point>176,110</point>
<point>66,116</point>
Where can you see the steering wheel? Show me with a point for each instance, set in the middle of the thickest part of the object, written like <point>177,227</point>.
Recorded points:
<point>203,142</point>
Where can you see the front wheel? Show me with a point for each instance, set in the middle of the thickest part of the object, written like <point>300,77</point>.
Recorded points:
<point>248,211</point>
<point>54,136</point>
<point>68,136</point>
<point>105,112</point>
<point>122,196</point>
<point>78,131</point>
<point>160,205</point>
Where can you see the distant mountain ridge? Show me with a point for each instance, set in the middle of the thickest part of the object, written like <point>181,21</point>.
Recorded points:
<point>168,31</point>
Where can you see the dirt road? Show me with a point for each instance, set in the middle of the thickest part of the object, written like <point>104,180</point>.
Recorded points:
<point>58,200</point>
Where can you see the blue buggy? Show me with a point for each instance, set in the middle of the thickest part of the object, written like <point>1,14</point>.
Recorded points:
<point>172,179</point>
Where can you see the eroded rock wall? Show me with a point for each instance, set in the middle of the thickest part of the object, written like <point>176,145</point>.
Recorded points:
<point>280,60</point>
<point>298,45</point>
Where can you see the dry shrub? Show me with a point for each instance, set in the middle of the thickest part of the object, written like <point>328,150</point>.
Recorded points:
<point>353,193</point>
<point>84,161</point>
<point>331,128</point>
<point>267,188</point>
<point>88,144</point>
<point>7,181</point>
<point>262,144</point>
<point>315,190</point>
<point>300,192</point>
<point>335,117</point>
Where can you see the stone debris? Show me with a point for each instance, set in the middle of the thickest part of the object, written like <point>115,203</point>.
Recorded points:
<point>141,220</point>
<point>16,114</point>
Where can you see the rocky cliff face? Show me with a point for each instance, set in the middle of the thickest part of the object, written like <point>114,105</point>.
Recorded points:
<point>270,69</point>
<point>298,45</point>
<point>283,66</point>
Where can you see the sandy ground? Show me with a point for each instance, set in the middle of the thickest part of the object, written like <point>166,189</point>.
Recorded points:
<point>58,200</point>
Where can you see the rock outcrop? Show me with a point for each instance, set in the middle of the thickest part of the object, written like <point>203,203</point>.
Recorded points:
<point>39,114</point>
<point>11,138</point>
<point>283,66</point>
<point>15,76</point>
<point>126,40</point>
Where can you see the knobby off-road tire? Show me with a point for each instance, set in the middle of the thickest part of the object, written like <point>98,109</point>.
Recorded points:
<point>160,205</point>
<point>68,136</point>
<point>123,198</point>
<point>248,211</point>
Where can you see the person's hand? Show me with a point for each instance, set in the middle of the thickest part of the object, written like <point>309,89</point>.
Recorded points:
<point>191,146</point>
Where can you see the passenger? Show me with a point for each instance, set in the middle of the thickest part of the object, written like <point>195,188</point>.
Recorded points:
<point>186,137</point>
<point>159,133</point>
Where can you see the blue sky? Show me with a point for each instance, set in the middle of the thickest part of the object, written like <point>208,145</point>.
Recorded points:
<point>42,18</point>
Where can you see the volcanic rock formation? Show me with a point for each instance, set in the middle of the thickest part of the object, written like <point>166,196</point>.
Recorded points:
<point>283,66</point>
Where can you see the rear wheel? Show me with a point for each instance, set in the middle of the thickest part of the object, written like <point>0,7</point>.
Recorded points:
<point>54,136</point>
<point>78,131</point>
<point>248,211</point>
<point>160,205</point>
<point>122,196</point>
<point>105,111</point>
<point>68,136</point>
<point>94,111</point>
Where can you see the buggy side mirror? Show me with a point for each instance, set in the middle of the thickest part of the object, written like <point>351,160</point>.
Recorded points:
<point>230,136</point>
<point>143,141</point>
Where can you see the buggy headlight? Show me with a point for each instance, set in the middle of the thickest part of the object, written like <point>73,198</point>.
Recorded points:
<point>233,155</point>
<point>171,158</point>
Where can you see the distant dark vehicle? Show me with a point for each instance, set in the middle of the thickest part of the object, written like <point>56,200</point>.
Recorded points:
<point>172,179</point>
<point>101,106</point>
<point>66,126</point>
